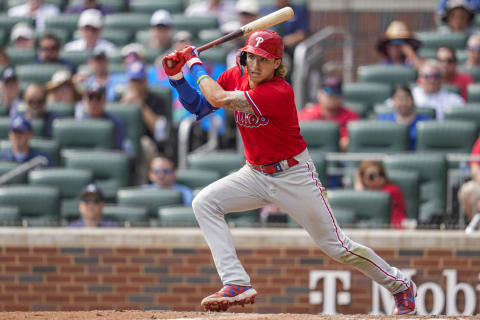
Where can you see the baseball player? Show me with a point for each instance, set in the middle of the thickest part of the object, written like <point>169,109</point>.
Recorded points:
<point>278,169</point>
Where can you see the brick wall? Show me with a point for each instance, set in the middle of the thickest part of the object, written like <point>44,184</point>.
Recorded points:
<point>50,269</point>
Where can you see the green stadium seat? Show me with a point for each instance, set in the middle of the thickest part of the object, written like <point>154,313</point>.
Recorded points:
<point>117,5</point>
<point>69,182</point>
<point>38,205</point>
<point>152,199</point>
<point>47,146</point>
<point>320,135</point>
<point>245,219</point>
<point>37,125</point>
<point>165,93</point>
<point>215,55</point>
<point>7,22</point>
<point>367,93</point>
<point>142,36</point>
<point>427,53</point>
<point>64,110</point>
<point>128,216</point>
<point>63,35</point>
<point>37,72</point>
<point>360,108</point>
<point>434,39</point>
<point>6,166</point>
<point>20,56</point>
<point>177,217</point>
<point>222,161</point>
<point>392,75</point>
<point>469,113</point>
<point>453,136</point>
<point>4,127</point>
<point>66,22</point>
<point>151,55</point>
<point>451,88</point>
<point>3,38</point>
<point>318,158</point>
<point>76,57</point>
<point>4,111</point>
<point>87,133</point>
<point>384,109</point>
<point>194,23</point>
<point>132,117</point>
<point>9,216</point>
<point>432,169</point>
<point>149,6</point>
<point>110,169</point>
<point>195,178</point>
<point>129,22</point>
<point>409,182</point>
<point>372,208</point>
<point>473,93</point>
<point>474,72</point>
<point>377,136</point>
<point>118,37</point>
<point>208,35</point>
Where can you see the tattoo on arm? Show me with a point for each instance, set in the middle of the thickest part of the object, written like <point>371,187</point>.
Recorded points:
<point>236,101</point>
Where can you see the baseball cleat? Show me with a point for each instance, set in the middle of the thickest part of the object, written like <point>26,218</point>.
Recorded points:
<point>405,301</point>
<point>229,295</point>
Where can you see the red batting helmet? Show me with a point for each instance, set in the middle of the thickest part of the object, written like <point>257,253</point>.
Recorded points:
<point>264,43</point>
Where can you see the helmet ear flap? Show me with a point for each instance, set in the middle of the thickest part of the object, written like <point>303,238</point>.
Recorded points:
<point>243,58</point>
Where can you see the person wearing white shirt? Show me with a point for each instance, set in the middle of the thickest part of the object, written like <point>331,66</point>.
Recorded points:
<point>223,10</point>
<point>90,24</point>
<point>430,92</point>
<point>37,10</point>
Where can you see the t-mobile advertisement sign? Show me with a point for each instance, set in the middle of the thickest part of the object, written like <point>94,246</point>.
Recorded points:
<point>444,302</point>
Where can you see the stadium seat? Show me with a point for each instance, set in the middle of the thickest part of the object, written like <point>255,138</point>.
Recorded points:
<point>434,39</point>
<point>6,166</point>
<point>3,38</point>
<point>66,22</point>
<point>474,72</point>
<point>63,35</point>
<point>177,217</point>
<point>149,6</point>
<point>4,127</point>
<point>215,55</point>
<point>452,88</point>
<point>246,219</point>
<point>20,56</point>
<point>87,133</point>
<point>453,136</point>
<point>432,169</point>
<point>9,216</point>
<point>38,205</point>
<point>132,117</point>
<point>64,110</point>
<point>194,23</point>
<point>117,5</point>
<point>469,113</point>
<point>47,146</point>
<point>360,108</point>
<point>473,93</point>
<point>76,57</point>
<point>195,178</point>
<point>128,216</point>
<point>152,199</point>
<point>69,182</point>
<point>165,94</point>
<point>7,22</point>
<point>129,22</point>
<point>207,35</point>
<point>118,37</point>
<point>37,72</point>
<point>367,93</point>
<point>142,36</point>
<point>110,169</point>
<point>383,109</point>
<point>222,161</point>
<point>372,208</point>
<point>320,135</point>
<point>318,158</point>
<point>409,182</point>
<point>392,75</point>
<point>377,136</point>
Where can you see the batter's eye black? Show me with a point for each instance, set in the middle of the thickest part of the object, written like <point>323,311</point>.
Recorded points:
<point>243,58</point>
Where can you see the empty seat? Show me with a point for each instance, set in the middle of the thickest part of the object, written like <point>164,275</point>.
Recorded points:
<point>67,22</point>
<point>129,22</point>
<point>474,72</point>
<point>9,216</point>
<point>367,93</point>
<point>177,217</point>
<point>88,133</point>
<point>110,169</point>
<point>38,205</point>
<point>360,108</point>
<point>215,55</point>
<point>196,178</point>
<point>388,74</point>
<point>6,166</point>
<point>377,136</point>
<point>446,136</point>
<point>432,169</point>
<point>165,94</point>
<point>48,147</point>
<point>149,6</point>
<point>434,39</point>
<point>409,182</point>
<point>222,161</point>
<point>132,117</point>
<point>194,23</point>
<point>372,208</point>
<point>208,35</point>
<point>118,37</point>
<point>320,135</point>
<point>469,113</point>
<point>37,72</point>
<point>128,216</point>
<point>64,110</point>
<point>318,158</point>
<point>20,56</point>
<point>473,92</point>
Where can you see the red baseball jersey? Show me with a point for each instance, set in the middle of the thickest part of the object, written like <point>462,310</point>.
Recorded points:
<point>271,134</point>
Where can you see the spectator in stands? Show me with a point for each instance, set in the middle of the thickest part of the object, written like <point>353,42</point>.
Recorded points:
<point>160,30</point>
<point>49,52</point>
<point>9,91</point>
<point>223,10</point>
<point>430,92</point>
<point>93,107</point>
<point>448,60</point>
<point>132,53</point>
<point>458,17</point>
<point>473,4</point>
<point>77,8</point>
<point>35,99</point>
<point>61,89</point>
<point>37,10</point>
<point>91,206</point>
<point>404,112</point>
<point>4,59</point>
<point>90,25</point>
<point>398,46</point>
<point>20,133</point>
<point>473,51</point>
<point>371,175</point>
<point>469,193</point>
<point>330,107</point>
<point>22,37</point>
<point>162,176</point>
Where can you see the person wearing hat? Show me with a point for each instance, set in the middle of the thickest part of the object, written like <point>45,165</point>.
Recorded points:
<point>49,52</point>
<point>473,4</point>
<point>21,36</point>
<point>61,89</point>
<point>473,51</point>
<point>447,57</point>
<point>160,30</point>
<point>20,133</point>
<point>330,107</point>
<point>77,8</point>
<point>36,9</point>
<point>133,52</point>
<point>458,16</point>
<point>35,103</point>
<point>398,46</point>
<point>9,91</point>
<point>90,205</point>
<point>90,25</point>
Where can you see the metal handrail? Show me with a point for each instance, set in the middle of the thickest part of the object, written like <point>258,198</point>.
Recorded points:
<point>24,167</point>
<point>302,61</point>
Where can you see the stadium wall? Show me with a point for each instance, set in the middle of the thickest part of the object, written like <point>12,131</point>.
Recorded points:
<point>82,269</point>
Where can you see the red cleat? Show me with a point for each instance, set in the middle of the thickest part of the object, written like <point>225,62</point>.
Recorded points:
<point>229,295</point>
<point>405,301</point>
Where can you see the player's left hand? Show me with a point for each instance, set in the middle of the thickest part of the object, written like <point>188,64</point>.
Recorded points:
<point>192,56</point>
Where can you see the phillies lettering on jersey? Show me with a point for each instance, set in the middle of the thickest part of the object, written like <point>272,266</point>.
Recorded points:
<point>272,133</point>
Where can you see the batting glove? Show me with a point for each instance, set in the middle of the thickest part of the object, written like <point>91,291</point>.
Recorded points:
<point>192,56</point>
<point>173,64</point>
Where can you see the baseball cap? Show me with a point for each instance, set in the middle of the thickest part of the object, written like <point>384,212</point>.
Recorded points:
<point>247,6</point>
<point>133,48</point>
<point>161,18</point>
<point>92,18</point>
<point>8,74</point>
<point>136,71</point>
<point>21,30</point>
<point>20,123</point>
<point>332,85</point>
<point>92,189</point>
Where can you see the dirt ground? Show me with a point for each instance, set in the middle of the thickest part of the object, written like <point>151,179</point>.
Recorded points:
<point>152,315</point>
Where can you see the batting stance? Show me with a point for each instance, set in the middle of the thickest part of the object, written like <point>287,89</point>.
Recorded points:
<point>278,169</point>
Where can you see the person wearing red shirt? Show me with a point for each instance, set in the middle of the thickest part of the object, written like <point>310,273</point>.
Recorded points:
<point>469,192</point>
<point>278,169</point>
<point>447,58</point>
<point>330,108</point>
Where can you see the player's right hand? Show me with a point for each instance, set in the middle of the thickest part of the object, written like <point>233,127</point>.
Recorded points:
<point>173,64</point>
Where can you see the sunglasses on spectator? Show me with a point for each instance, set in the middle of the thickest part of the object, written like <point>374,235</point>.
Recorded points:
<point>476,48</point>
<point>95,96</point>
<point>36,101</point>
<point>49,48</point>
<point>91,200</point>
<point>373,176</point>
<point>164,171</point>
<point>396,41</point>
<point>449,61</point>
<point>434,76</point>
